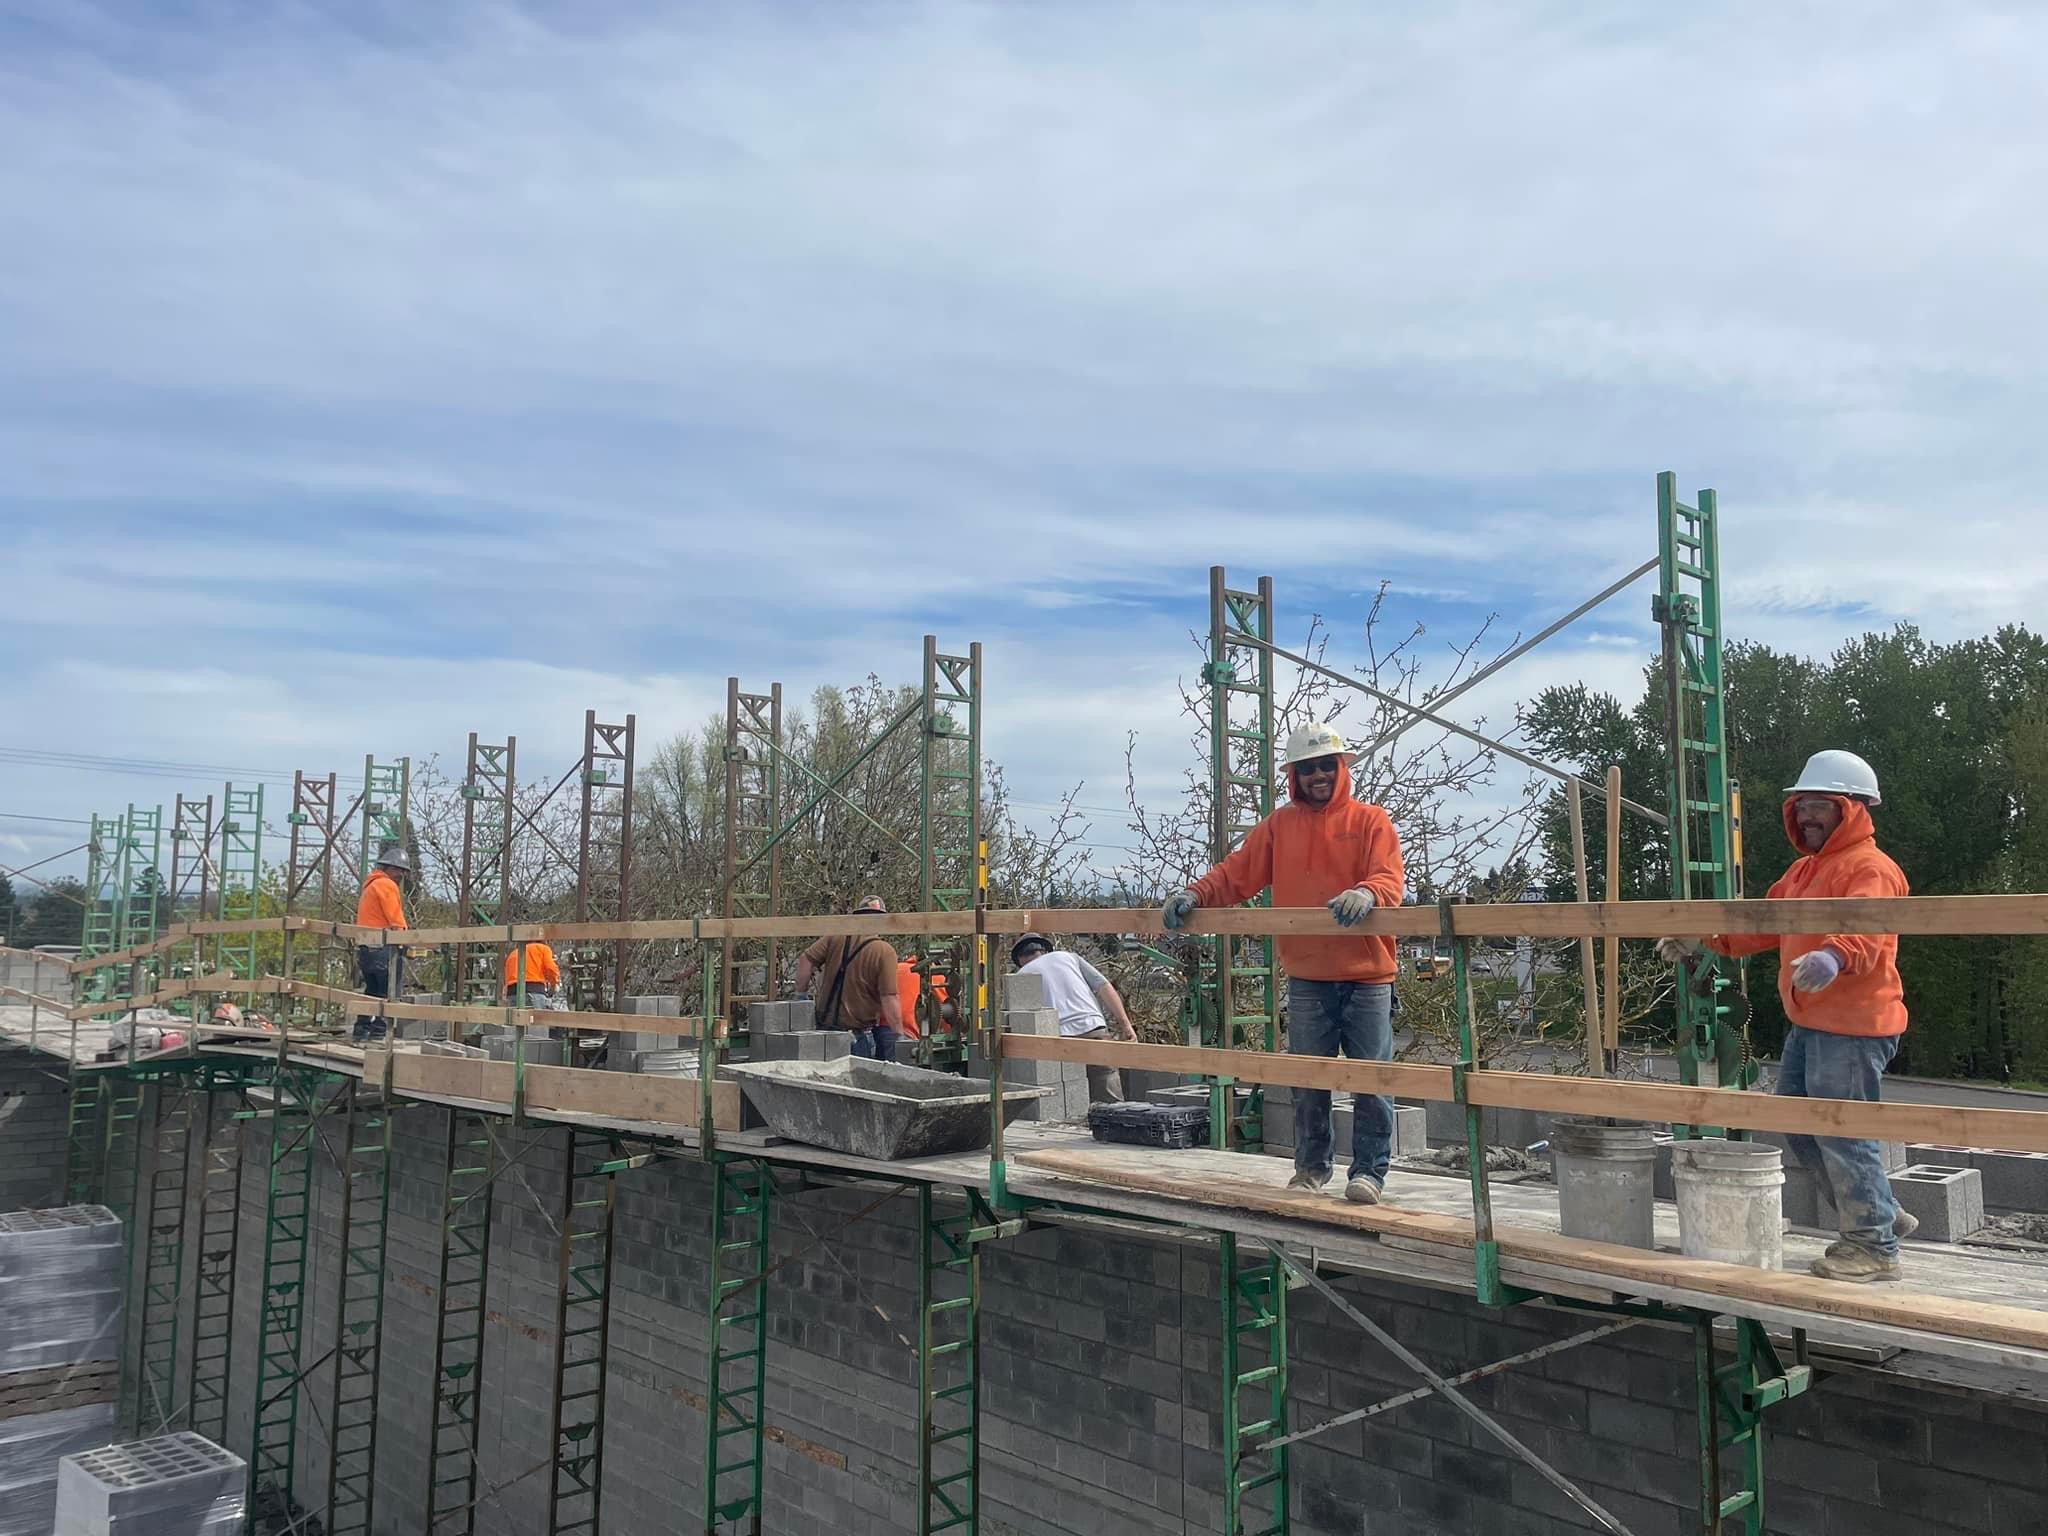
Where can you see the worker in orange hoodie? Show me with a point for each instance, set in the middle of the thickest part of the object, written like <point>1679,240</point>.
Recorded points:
<point>1324,846</point>
<point>909,986</point>
<point>1843,995</point>
<point>543,976</point>
<point>381,906</point>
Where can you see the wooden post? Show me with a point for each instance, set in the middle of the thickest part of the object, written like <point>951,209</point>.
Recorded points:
<point>1611,1030</point>
<point>1596,1057</point>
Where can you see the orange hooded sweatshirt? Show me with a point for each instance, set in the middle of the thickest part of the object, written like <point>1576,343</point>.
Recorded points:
<point>542,969</point>
<point>1867,998</point>
<point>380,906</point>
<point>1308,854</point>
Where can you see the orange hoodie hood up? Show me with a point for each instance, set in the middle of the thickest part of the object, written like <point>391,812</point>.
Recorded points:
<point>1307,854</point>
<point>1867,998</point>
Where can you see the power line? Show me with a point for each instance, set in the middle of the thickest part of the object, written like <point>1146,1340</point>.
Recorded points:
<point>144,767</point>
<point>61,821</point>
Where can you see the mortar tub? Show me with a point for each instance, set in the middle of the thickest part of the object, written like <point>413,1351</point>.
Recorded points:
<point>1606,1181</point>
<point>1730,1201</point>
<point>874,1109</point>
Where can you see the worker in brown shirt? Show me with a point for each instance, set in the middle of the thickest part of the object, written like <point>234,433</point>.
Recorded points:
<point>855,985</point>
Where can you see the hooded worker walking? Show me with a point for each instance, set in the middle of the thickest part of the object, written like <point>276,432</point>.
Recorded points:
<point>1843,995</point>
<point>381,906</point>
<point>1324,846</point>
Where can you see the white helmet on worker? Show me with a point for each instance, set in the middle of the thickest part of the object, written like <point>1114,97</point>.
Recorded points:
<point>1308,742</point>
<point>1837,773</point>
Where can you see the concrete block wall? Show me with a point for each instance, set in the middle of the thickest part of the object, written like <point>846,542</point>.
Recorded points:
<point>35,1102</point>
<point>1101,1400</point>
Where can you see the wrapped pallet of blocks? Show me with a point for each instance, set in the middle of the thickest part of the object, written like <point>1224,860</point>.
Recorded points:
<point>60,1324</point>
<point>175,1485</point>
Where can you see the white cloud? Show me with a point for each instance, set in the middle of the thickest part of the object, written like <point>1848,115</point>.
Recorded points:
<point>582,363</point>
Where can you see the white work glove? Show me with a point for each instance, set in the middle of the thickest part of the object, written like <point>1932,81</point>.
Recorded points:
<point>1816,970</point>
<point>1175,913</point>
<point>1674,950</point>
<point>1349,907</point>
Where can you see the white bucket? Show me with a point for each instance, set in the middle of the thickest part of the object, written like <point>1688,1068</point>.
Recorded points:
<point>1606,1181</point>
<point>1731,1198</point>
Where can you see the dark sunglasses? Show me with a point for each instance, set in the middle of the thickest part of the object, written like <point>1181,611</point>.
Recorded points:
<point>1317,765</point>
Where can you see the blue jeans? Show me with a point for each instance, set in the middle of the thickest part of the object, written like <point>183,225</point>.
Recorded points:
<point>877,1044</point>
<point>1820,1065</point>
<point>1348,1018</point>
<point>382,967</point>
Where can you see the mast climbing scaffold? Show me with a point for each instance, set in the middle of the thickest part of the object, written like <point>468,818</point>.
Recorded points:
<point>752,886</point>
<point>604,859</point>
<point>488,787</point>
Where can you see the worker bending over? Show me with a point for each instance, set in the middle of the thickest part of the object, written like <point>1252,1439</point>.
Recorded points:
<point>855,977</point>
<point>1324,846</point>
<point>1843,995</point>
<point>381,906</point>
<point>1085,1001</point>
<point>543,976</point>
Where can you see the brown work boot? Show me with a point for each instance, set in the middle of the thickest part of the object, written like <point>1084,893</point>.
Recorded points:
<point>1855,1263</point>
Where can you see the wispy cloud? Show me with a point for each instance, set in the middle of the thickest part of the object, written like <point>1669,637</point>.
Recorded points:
<point>580,357</point>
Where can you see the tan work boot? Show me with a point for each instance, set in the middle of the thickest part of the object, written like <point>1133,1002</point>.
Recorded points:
<point>1855,1263</point>
<point>1905,1226</point>
<point>1363,1190</point>
<point>1309,1179</point>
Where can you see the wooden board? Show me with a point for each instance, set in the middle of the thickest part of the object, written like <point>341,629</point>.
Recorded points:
<point>2013,1130</point>
<point>1210,1181</point>
<point>1408,1079</point>
<point>1954,915</point>
<point>572,1090</point>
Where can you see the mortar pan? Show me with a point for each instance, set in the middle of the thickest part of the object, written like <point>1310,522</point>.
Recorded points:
<point>874,1109</point>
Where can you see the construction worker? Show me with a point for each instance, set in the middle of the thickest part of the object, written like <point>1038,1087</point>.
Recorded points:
<point>1324,846</point>
<point>227,1015</point>
<point>1844,998</point>
<point>381,906</point>
<point>856,980</point>
<point>1085,1000</point>
<point>543,976</point>
<point>908,987</point>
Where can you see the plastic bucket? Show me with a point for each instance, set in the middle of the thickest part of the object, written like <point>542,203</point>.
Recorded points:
<point>1606,1181</point>
<point>1731,1198</point>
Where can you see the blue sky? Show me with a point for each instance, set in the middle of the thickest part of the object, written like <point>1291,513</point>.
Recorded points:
<point>578,356</point>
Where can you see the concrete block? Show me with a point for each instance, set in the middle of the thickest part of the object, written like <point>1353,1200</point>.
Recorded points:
<point>537,1053</point>
<point>802,1013</point>
<point>803,1045</point>
<point>1031,1021</point>
<point>1021,991</point>
<point>758,1018</point>
<point>2013,1181</point>
<point>663,1004</point>
<point>1948,1200</point>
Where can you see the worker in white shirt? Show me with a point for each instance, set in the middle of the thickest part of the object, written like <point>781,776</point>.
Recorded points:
<point>1087,1004</point>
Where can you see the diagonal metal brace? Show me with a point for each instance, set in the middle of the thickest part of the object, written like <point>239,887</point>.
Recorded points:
<point>1457,1399</point>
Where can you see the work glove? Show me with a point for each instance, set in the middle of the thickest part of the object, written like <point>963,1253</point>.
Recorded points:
<point>1816,970</point>
<point>1349,907</point>
<point>1674,950</point>
<point>1175,913</point>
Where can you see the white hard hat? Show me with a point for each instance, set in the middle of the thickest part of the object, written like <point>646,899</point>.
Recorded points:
<point>1311,741</point>
<point>1836,773</point>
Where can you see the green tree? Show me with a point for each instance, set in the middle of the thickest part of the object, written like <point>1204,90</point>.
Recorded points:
<point>57,916</point>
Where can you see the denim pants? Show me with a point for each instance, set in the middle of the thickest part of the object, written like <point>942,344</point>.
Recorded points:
<point>877,1043</point>
<point>1820,1065</point>
<point>382,966</point>
<point>1342,1018</point>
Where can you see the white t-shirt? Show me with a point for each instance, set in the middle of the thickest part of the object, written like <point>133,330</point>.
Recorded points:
<point>1070,984</point>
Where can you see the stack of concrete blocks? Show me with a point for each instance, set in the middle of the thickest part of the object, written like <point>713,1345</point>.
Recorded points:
<point>499,1040</point>
<point>2012,1181</point>
<point>787,1031</point>
<point>1517,1128</point>
<point>1411,1123</point>
<point>1028,1011</point>
<point>1948,1200</point>
<point>175,1485</point>
<point>60,1328</point>
<point>452,1048</point>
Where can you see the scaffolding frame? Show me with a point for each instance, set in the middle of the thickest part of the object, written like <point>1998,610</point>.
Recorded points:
<point>192,839</point>
<point>470,1164</point>
<point>156,1407</point>
<point>604,857</point>
<point>211,1357</point>
<point>240,896</point>
<point>309,878</point>
<point>583,1306</point>
<point>484,895</point>
<point>736,1388</point>
<point>364,1167</point>
<point>753,804</point>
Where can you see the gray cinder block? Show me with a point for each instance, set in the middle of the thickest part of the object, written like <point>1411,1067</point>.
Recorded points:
<point>2014,1181</point>
<point>1948,1200</point>
<point>1031,1021</point>
<point>802,1013</point>
<point>1024,991</point>
<point>662,1004</point>
<point>803,1045</point>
